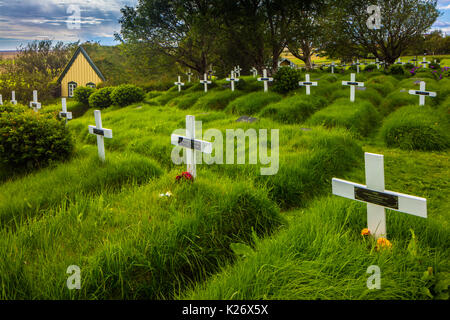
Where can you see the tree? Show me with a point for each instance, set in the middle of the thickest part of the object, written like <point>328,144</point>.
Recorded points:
<point>184,30</point>
<point>402,21</point>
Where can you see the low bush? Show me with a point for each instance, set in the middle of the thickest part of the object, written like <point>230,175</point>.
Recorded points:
<point>360,117</point>
<point>29,139</point>
<point>371,68</point>
<point>252,103</point>
<point>127,94</point>
<point>82,94</point>
<point>416,128</point>
<point>396,69</point>
<point>101,98</point>
<point>286,79</point>
<point>295,109</point>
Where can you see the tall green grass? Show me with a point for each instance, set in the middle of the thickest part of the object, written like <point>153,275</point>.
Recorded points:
<point>217,100</point>
<point>252,103</point>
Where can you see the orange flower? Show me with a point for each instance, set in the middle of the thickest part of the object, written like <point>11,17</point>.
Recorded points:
<point>365,232</point>
<point>383,243</point>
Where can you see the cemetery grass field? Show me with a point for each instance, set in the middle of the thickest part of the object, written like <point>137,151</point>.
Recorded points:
<point>233,233</point>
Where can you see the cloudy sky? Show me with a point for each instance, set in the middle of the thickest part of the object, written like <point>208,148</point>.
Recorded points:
<point>26,20</point>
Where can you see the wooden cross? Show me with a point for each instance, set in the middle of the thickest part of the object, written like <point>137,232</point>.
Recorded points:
<point>377,198</point>
<point>352,83</point>
<point>179,84</point>
<point>266,80</point>
<point>422,93</point>
<point>191,145</point>
<point>64,113</point>
<point>189,74</point>
<point>233,79</point>
<point>101,134</point>
<point>425,62</point>
<point>35,104</point>
<point>13,96</point>
<point>205,82</point>
<point>307,84</point>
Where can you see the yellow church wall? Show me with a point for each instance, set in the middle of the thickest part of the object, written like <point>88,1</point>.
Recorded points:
<point>80,72</point>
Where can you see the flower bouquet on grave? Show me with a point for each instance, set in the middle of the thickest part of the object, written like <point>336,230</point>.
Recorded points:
<point>184,176</point>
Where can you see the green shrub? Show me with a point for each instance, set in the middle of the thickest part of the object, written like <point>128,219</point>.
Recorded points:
<point>157,86</point>
<point>295,109</point>
<point>359,117</point>
<point>252,103</point>
<point>8,107</point>
<point>127,94</point>
<point>371,68</point>
<point>82,94</point>
<point>285,80</point>
<point>101,98</point>
<point>33,140</point>
<point>217,100</point>
<point>408,66</point>
<point>396,69</point>
<point>415,128</point>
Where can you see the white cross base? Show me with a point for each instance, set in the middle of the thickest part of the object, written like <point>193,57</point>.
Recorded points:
<point>191,145</point>
<point>422,93</point>
<point>425,62</point>
<point>307,84</point>
<point>205,82</point>
<point>1,100</point>
<point>101,134</point>
<point>64,113</point>
<point>352,83</point>
<point>13,98</point>
<point>377,198</point>
<point>266,80</point>
<point>35,104</point>
<point>179,84</point>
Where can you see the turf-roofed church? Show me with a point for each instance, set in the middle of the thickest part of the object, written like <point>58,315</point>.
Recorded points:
<point>81,71</point>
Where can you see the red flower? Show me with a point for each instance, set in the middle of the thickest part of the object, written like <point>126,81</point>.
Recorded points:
<point>186,175</point>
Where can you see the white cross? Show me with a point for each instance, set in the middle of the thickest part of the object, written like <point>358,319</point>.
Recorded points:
<point>266,80</point>
<point>1,100</point>
<point>254,71</point>
<point>101,134</point>
<point>307,84</point>
<point>425,62</point>
<point>64,113</point>
<point>422,93</point>
<point>357,64</point>
<point>237,70</point>
<point>378,63</point>
<point>189,74</point>
<point>352,83</point>
<point>35,104</point>
<point>13,96</point>
<point>399,61</point>
<point>205,82</point>
<point>332,67</point>
<point>191,145</point>
<point>377,198</point>
<point>233,79</point>
<point>179,84</point>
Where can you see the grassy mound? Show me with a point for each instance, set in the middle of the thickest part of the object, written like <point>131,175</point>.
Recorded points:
<point>397,99</point>
<point>216,100</point>
<point>383,84</point>
<point>369,94</point>
<point>416,128</point>
<point>359,117</point>
<point>186,101</point>
<point>28,196</point>
<point>295,109</point>
<point>252,103</point>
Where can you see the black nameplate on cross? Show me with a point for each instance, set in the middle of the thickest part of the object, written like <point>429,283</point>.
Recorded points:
<point>376,197</point>
<point>63,115</point>
<point>98,132</point>
<point>423,93</point>
<point>352,83</point>
<point>190,143</point>
<point>307,83</point>
<point>265,79</point>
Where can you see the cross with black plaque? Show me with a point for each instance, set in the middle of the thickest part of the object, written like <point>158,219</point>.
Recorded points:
<point>266,80</point>
<point>232,79</point>
<point>307,84</point>
<point>13,98</point>
<point>191,145</point>
<point>189,74</point>
<point>179,84</point>
<point>422,93</point>
<point>352,83</point>
<point>101,134</point>
<point>377,198</point>
<point>205,82</point>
